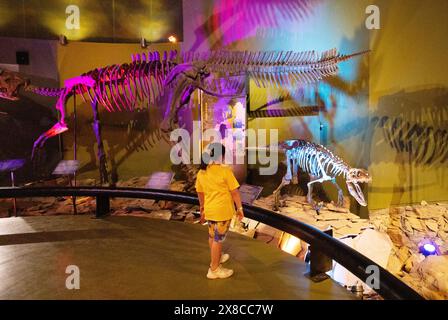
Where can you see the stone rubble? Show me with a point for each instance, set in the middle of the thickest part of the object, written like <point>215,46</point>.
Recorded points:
<point>405,226</point>
<point>371,243</point>
<point>408,227</point>
<point>341,220</point>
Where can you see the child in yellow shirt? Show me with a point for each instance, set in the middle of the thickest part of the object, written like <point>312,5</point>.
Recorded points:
<point>217,190</point>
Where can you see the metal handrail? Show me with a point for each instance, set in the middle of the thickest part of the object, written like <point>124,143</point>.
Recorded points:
<point>390,287</point>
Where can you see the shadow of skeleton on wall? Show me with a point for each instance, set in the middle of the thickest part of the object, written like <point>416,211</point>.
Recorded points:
<point>140,131</point>
<point>419,127</point>
<point>426,145</point>
<point>246,16</point>
<point>416,129</point>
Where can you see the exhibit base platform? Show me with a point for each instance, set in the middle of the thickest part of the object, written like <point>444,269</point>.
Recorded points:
<point>137,258</point>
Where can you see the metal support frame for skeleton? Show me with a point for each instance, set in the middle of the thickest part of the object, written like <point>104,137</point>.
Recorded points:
<point>148,76</point>
<point>321,165</point>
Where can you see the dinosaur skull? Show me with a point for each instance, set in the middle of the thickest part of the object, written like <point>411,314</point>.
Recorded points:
<point>10,83</point>
<point>354,177</point>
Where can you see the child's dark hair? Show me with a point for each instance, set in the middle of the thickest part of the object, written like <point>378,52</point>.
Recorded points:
<point>216,151</point>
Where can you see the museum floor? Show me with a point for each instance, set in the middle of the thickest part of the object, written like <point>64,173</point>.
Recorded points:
<point>135,258</point>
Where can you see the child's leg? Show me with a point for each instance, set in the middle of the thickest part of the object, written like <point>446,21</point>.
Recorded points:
<point>216,254</point>
<point>217,231</point>
<point>210,242</point>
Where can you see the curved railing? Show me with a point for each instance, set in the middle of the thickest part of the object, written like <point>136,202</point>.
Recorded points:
<point>389,287</point>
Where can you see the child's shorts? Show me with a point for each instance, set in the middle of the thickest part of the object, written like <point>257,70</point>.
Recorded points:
<point>217,230</point>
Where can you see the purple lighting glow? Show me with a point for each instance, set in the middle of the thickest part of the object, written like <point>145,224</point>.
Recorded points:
<point>428,249</point>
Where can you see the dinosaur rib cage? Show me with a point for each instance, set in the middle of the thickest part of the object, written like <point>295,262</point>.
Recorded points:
<point>306,155</point>
<point>123,87</point>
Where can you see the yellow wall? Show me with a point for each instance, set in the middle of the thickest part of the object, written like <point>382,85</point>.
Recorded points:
<point>320,26</point>
<point>408,80</point>
<point>79,57</point>
<point>405,76</point>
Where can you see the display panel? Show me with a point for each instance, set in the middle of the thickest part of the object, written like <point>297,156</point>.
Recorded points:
<point>227,117</point>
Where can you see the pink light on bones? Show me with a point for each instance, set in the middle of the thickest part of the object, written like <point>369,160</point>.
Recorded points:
<point>234,20</point>
<point>83,80</point>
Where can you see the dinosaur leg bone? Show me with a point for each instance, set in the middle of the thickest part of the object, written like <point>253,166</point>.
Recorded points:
<point>295,169</point>
<point>284,182</point>
<point>104,177</point>
<point>310,186</point>
<point>61,126</point>
<point>58,128</point>
<point>320,178</point>
<point>340,193</point>
<point>309,197</point>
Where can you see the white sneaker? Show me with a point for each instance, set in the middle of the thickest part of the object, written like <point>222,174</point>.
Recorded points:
<point>219,273</point>
<point>224,258</point>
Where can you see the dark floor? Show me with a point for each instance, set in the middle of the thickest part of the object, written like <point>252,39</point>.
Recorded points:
<point>137,258</point>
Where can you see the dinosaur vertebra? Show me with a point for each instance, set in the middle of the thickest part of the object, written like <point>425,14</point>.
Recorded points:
<point>321,165</point>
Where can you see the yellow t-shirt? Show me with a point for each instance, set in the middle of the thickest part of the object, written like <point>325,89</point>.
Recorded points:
<point>216,182</point>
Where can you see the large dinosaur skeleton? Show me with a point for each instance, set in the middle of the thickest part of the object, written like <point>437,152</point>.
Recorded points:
<point>127,86</point>
<point>321,165</point>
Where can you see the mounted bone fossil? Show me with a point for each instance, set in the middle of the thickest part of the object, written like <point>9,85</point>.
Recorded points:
<point>10,84</point>
<point>321,165</point>
<point>124,87</point>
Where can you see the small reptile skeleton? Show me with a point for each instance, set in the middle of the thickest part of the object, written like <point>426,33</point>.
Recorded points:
<point>321,165</point>
<point>124,87</point>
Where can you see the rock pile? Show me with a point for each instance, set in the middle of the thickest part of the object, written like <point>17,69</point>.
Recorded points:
<point>340,219</point>
<point>408,227</point>
<point>86,205</point>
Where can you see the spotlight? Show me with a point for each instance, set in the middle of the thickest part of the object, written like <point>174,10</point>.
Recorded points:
<point>290,244</point>
<point>143,43</point>
<point>63,40</point>
<point>428,248</point>
<point>172,39</point>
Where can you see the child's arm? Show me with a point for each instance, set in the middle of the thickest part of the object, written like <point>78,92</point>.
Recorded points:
<point>233,185</point>
<point>201,206</point>
<point>237,199</point>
